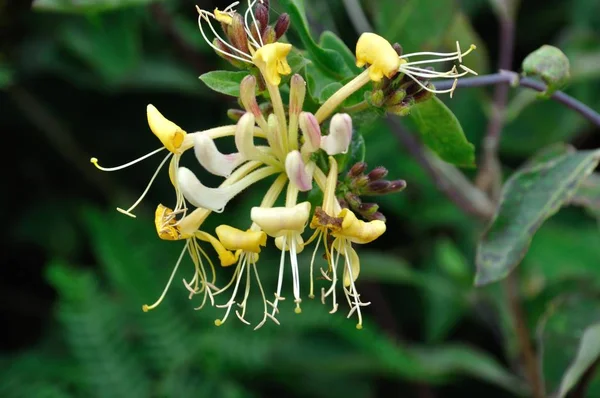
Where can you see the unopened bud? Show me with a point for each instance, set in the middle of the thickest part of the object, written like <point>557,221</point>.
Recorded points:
<point>235,114</point>
<point>282,25</point>
<point>396,98</point>
<point>424,95</point>
<point>269,35</point>
<point>377,187</point>
<point>377,98</point>
<point>248,95</point>
<point>340,135</point>
<point>357,169</point>
<point>261,13</point>
<point>396,186</point>
<point>224,52</point>
<point>398,48</point>
<point>377,173</point>
<point>296,171</point>
<point>402,109</point>
<point>237,34</point>
<point>353,200</point>
<point>311,131</point>
<point>359,182</point>
<point>297,94</point>
<point>368,209</point>
<point>376,216</point>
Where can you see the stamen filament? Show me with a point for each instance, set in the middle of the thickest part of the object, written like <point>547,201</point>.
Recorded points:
<point>94,161</point>
<point>146,307</point>
<point>203,14</point>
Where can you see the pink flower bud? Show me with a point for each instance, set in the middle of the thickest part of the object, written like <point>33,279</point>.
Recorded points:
<point>340,134</point>
<point>310,130</point>
<point>296,171</point>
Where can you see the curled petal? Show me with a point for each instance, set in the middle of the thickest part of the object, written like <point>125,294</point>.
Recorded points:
<point>287,247</point>
<point>359,231</point>
<point>166,224</point>
<point>236,239</point>
<point>376,51</point>
<point>272,62</point>
<point>311,131</point>
<point>352,261</point>
<point>278,221</point>
<point>340,135</point>
<point>170,134</point>
<point>200,195</point>
<point>212,160</point>
<point>297,171</point>
<point>244,138</point>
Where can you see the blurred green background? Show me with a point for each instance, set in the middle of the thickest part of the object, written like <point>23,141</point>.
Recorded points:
<point>75,78</point>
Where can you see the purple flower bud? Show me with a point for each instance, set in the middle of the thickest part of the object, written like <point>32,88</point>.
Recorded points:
<point>282,25</point>
<point>398,48</point>
<point>396,186</point>
<point>396,97</point>
<point>376,216</point>
<point>237,33</point>
<point>261,13</point>
<point>356,170</point>
<point>377,187</point>
<point>377,173</point>
<point>268,35</point>
<point>424,95</point>
<point>359,182</point>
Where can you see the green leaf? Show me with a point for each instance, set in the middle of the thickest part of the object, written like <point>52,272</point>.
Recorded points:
<point>588,195</point>
<point>529,197</point>
<point>224,82</point>
<point>551,65</point>
<point>568,336</point>
<point>6,76</point>
<point>330,41</point>
<point>84,7</point>
<point>589,351</point>
<point>441,131</point>
<point>329,61</point>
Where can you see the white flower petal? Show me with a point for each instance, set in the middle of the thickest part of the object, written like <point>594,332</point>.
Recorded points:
<point>212,160</point>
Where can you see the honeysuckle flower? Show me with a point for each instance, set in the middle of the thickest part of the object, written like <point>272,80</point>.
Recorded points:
<point>299,174</point>
<point>378,52</point>
<point>214,161</point>
<point>340,135</point>
<point>253,42</point>
<point>342,225</point>
<point>286,224</point>
<point>247,245</point>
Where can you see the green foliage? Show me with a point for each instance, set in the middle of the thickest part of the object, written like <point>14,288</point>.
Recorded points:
<point>441,131</point>
<point>551,65</point>
<point>84,7</point>
<point>529,197</point>
<point>224,82</point>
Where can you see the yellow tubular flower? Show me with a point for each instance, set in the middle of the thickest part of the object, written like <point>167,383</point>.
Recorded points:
<point>376,51</point>
<point>170,134</point>
<point>358,231</point>
<point>271,60</point>
<point>235,239</point>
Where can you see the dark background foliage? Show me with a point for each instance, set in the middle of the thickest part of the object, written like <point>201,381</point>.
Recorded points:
<point>75,272</point>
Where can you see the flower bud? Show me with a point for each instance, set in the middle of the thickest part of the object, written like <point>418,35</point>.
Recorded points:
<point>396,186</point>
<point>424,95</point>
<point>261,13</point>
<point>237,33</point>
<point>297,94</point>
<point>311,131</point>
<point>396,97</point>
<point>376,216</point>
<point>376,98</point>
<point>248,95</point>
<point>357,169</point>
<point>403,108</point>
<point>353,200</point>
<point>244,137</point>
<point>377,187</point>
<point>170,134</point>
<point>398,48</point>
<point>269,36</point>
<point>296,171</point>
<point>368,209</point>
<point>377,173</point>
<point>340,135</point>
<point>282,25</point>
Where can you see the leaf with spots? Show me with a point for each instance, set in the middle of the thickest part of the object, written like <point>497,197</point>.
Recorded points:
<point>529,197</point>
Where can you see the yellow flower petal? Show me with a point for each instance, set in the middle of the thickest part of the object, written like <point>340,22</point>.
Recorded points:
<point>272,62</point>
<point>170,134</point>
<point>376,51</point>
<point>236,239</point>
<point>359,231</point>
<point>279,221</point>
<point>165,223</point>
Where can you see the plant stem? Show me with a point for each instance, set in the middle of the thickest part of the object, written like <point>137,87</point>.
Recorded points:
<point>506,77</point>
<point>361,106</point>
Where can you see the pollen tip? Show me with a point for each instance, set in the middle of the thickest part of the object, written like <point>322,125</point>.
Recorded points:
<point>473,47</point>
<point>198,10</point>
<point>145,308</point>
<point>218,322</point>
<point>359,326</point>
<point>298,310</point>
<point>94,160</point>
<point>127,213</point>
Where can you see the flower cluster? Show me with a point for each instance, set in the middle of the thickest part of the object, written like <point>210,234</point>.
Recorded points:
<point>284,145</point>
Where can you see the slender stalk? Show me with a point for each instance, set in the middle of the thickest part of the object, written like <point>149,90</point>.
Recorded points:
<point>513,79</point>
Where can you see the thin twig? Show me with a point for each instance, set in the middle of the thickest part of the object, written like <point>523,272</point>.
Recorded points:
<point>446,177</point>
<point>513,78</point>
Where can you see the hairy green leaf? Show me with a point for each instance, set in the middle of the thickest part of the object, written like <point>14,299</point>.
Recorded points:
<point>224,82</point>
<point>441,131</point>
<point>551,65</point>
<point>529,197</point>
